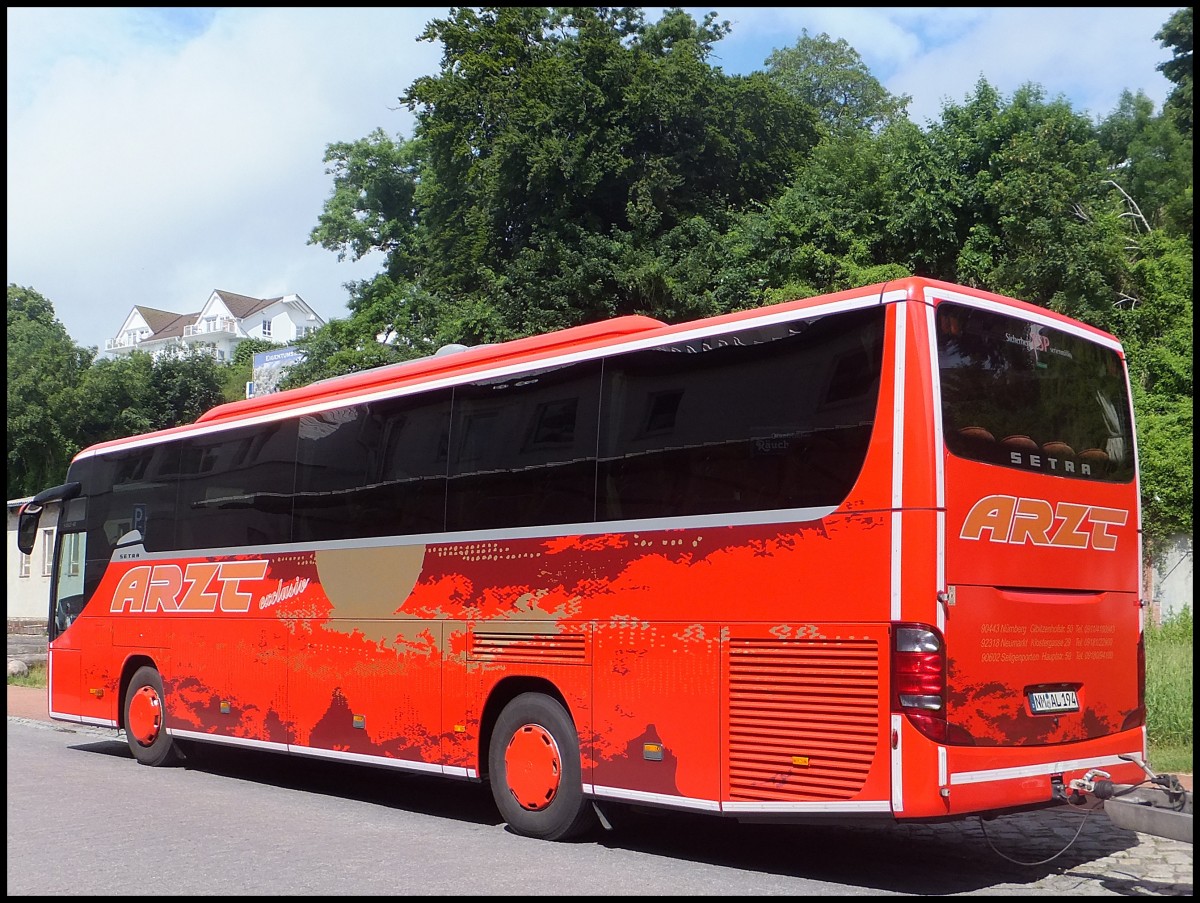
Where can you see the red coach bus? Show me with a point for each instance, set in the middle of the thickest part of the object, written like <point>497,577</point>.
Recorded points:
<point>873,554</point>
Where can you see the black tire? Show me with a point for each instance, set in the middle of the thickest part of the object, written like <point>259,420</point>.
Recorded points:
<point>534,770</point>
<point>145,719</point>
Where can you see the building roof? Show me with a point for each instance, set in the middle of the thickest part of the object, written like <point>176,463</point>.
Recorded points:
<point>158,320</point>
<point>242,306</point>
<point>167,324</point>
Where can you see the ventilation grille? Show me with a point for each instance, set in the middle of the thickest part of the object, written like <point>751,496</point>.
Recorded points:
<point>797,700</point>
<point>555,648</point>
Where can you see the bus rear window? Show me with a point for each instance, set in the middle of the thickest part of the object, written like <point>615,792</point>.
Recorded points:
<point>1032,397</point>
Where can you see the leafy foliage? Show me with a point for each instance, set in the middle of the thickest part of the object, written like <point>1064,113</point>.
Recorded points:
<point>571,164</point>
<point>137,393</point>
<point>60,399</point>
<point>562,161</point>
<point>831,77</point>
<point>1177,34</point>
<point>44,367</point>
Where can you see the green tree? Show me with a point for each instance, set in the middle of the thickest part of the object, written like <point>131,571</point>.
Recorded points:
<point>372,206</point>
<point>572,164</point>
<point>1150,160</point>
<point>137,393</point>
<point>1029,184</point>
<point>821,234</point>
<point>831,77</point>
<point>1155,322</point>
<point>113,399</point>
<point>562,161</point>
<point>1177,35</point>
<point>183,386</point>
<point>44,367</point>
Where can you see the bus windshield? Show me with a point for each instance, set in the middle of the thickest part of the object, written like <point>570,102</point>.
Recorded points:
<point>1024,395</point>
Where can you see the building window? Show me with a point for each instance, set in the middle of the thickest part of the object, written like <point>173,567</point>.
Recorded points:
<point>47,552</point>
<point>23,568</point>
<point>73,553</point>
<point>266,327</point>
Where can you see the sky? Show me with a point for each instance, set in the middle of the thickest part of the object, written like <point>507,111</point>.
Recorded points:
<point>157,154</point>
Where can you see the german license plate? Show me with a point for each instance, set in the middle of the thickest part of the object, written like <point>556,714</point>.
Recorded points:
<point>1046,701</point>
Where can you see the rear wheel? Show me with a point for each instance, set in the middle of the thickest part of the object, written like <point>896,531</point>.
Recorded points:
<point>533,762</point>
<point>145,725</point>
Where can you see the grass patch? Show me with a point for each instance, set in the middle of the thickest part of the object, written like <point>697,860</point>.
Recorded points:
<point>1169,692</point>
<point>34,677</point>
<point>1168,759</point>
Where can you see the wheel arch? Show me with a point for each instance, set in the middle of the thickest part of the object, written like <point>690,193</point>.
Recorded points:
<point>504,692</point>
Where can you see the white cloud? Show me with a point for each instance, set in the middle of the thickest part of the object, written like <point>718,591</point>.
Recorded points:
<point>150,167</point>
<point>1087,54</point>
<point>156,154</point>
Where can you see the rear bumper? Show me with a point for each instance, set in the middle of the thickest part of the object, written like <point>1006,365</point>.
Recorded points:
<point>990,779</point>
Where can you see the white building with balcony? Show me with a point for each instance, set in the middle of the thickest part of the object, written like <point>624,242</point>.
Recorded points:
<point>226,320</point>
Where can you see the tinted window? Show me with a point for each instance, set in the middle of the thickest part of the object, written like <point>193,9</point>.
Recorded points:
<point>1028,396</point>
<point>235,487</point>
<point>765,418</point>
<point>376,469</point>
<point>523,450</point>
<point>131,490</point>
<point>97,549</point>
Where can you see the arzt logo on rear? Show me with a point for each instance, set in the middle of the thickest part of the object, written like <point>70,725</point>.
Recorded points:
<point>1067,525</point>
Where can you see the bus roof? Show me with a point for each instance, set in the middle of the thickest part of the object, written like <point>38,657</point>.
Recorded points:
<point>470,358</point>
<point>552,344</point>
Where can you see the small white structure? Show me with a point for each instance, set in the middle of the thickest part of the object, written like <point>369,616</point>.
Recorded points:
<point>225,320</point>
<point>1168,580</point>
<point>29,575</point>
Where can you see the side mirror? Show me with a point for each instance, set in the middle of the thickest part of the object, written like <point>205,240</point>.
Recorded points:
<point>27,526</point>
<point>31,513</point>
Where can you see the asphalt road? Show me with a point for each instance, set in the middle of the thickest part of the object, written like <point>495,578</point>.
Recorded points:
<point>84,818</point>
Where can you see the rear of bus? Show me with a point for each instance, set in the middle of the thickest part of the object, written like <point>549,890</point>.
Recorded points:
<point>1041,614</point>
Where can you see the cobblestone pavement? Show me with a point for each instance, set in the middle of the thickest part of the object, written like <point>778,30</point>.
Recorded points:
<point>1064,852</point>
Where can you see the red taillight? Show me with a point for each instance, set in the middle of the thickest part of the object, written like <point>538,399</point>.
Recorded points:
<point>918,669</point>
<point>919,682</point>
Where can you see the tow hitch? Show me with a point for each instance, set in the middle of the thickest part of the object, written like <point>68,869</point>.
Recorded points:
<point>1158,806</point>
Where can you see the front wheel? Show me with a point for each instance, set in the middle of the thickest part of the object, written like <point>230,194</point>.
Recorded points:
<point>145,726</point>
<point>534,768</point>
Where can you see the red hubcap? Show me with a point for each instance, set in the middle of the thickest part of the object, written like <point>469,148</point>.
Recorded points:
<point>533,767</point>
<point>145,716</point>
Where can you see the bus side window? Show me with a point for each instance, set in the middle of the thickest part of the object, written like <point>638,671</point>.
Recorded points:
<point>767,418</point>
<point>376,469</point>
<point>523,450</point>
<point>140,487</point>
<point>236,486</point>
